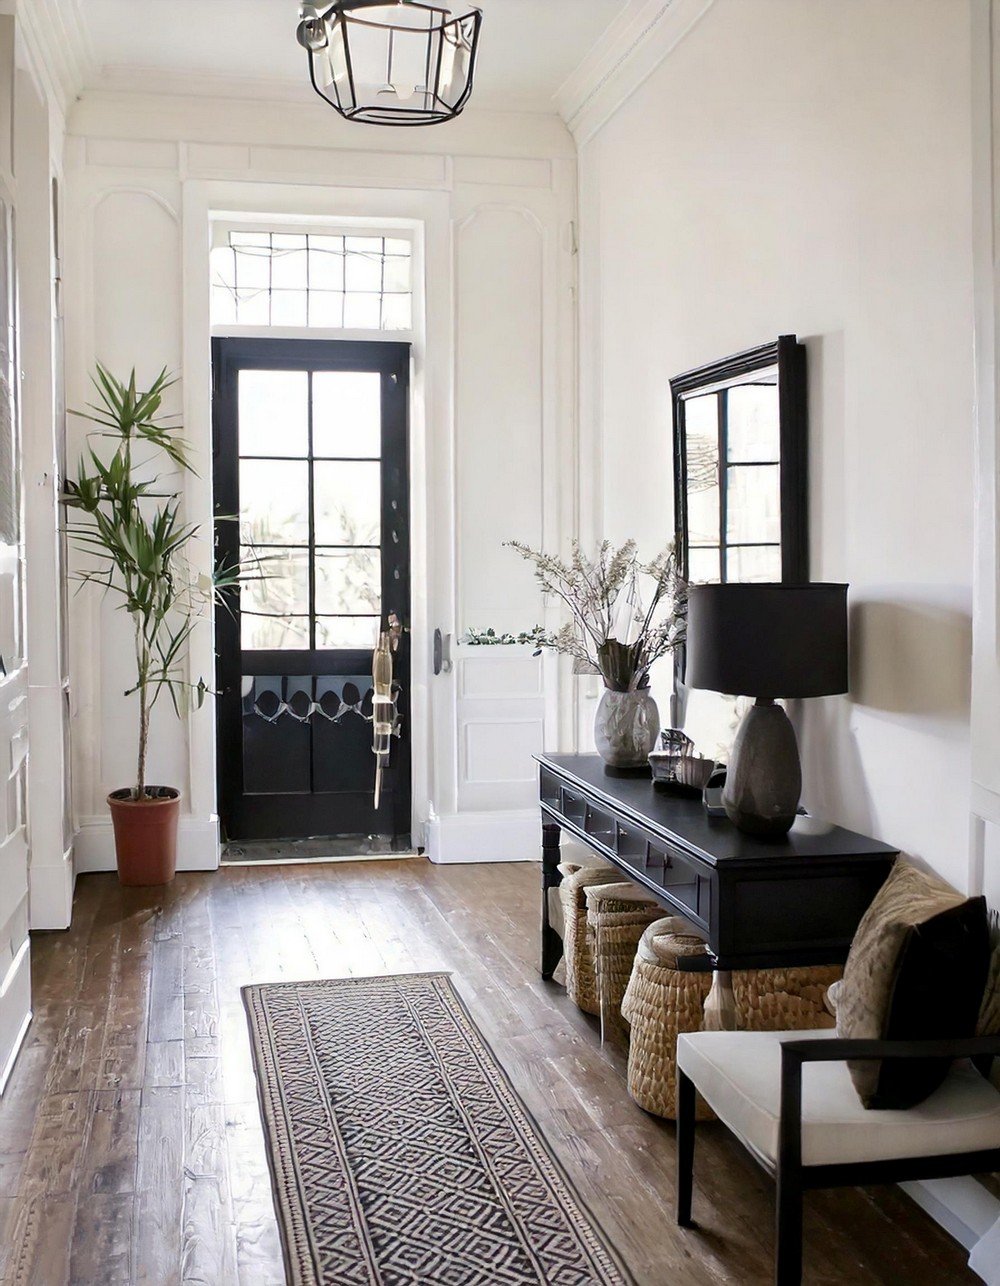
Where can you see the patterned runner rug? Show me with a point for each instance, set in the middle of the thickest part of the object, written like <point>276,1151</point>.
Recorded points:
<point>399,1151</point>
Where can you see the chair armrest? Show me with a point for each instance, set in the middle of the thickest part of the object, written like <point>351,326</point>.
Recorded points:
<point>795,1053</point>
<point>838,1049</point>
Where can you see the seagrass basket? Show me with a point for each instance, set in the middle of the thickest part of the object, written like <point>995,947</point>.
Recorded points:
<point>662,1001</point>
<point>784,999</point>
<point>617,917</point>
<point>578,946</point>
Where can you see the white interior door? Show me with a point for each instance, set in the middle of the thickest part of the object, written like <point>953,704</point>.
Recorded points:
<point>15,997</point>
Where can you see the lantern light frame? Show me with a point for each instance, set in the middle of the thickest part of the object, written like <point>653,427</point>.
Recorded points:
<point>326,33</point>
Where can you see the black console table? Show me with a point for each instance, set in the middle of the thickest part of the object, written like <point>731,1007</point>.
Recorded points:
<point>761,904</point>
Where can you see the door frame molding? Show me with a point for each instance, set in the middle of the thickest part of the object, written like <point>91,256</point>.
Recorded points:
<point>426,215</point>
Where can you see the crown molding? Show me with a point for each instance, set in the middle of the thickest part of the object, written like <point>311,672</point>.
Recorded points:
<point>55,34</point>
<point>136,79</point>
<point>628,52</point>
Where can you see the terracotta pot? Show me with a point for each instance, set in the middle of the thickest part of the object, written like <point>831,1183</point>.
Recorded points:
<point>146,835</point>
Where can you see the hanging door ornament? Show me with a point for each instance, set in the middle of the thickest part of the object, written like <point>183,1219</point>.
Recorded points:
<point>383,710</point>
<point>391,62</point>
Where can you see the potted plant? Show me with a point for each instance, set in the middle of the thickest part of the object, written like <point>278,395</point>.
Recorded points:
<point>625,615</point>
<point>129,525</point>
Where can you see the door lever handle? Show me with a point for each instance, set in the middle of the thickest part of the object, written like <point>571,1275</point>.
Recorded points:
<point>442,653</point>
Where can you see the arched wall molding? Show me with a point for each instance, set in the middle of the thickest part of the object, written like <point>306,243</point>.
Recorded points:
<point>98,198</point>
<point>513,207</point>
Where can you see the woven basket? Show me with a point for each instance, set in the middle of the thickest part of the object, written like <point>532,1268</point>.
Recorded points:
<point>662,1001</point>
<point>578,947</point>
<point>784,999</point>
<point>617,917</point>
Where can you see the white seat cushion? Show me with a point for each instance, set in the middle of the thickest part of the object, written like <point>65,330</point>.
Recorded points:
<point>739,1074</point>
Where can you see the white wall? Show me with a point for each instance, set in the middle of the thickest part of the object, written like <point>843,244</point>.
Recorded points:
<point>807,168</point>
<point>492,198</point>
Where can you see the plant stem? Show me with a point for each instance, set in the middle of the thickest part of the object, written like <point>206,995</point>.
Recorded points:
<point>143,738</point>
<point>142,657</point>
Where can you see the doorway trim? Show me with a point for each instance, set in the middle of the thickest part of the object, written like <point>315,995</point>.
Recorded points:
<point>425,215</point>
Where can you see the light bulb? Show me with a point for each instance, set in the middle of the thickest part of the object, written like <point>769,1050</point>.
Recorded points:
<point>311,31</point>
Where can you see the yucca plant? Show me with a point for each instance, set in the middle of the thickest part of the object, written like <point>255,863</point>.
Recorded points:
<point>129,523</point>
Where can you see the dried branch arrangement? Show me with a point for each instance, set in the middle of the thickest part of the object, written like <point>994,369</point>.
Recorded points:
<point>625,614</point>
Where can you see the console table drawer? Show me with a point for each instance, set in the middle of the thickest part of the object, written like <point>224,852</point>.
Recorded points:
<point>681,879</point>
<point>665,869</point>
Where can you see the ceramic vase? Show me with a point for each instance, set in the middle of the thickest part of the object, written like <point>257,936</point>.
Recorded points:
<point>626,727</point>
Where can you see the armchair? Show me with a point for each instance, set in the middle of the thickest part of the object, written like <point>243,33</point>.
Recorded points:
<point>813,1132</point>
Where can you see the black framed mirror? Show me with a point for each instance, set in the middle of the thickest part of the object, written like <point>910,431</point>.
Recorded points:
<point>740,459</point>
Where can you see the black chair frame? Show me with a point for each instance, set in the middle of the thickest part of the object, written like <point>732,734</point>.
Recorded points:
<point>794,1178</point>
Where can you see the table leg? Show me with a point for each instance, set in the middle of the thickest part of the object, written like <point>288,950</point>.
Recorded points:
<point>720,1003</point>
<point>552,947</point>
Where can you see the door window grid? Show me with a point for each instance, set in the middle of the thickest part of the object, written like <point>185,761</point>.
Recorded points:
<point>283,581</point>
<point>313,280</point>
<point>713,468</point>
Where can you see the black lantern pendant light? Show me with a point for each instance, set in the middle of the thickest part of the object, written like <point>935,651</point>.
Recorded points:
<point>391,62</point>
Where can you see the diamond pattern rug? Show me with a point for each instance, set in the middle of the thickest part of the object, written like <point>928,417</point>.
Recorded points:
<point>400,1154</point>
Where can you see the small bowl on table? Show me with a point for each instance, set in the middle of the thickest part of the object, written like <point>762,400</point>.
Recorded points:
<point>685,773</point>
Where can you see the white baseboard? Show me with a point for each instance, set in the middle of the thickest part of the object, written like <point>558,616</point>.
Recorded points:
<point>50,892</point>
<point>197,845</point>
<point>15,1010</point>
<point>508,836</point>
<point>962,1206</point>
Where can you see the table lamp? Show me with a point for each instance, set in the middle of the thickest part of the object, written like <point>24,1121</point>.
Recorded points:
<point>766,641</point>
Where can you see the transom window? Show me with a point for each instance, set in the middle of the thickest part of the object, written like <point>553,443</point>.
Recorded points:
<point>313,280</point>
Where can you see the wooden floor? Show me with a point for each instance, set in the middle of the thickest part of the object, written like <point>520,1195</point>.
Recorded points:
<point>130,1145</point>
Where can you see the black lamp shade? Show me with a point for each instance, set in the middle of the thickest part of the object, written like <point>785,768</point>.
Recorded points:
<point>758,640</point>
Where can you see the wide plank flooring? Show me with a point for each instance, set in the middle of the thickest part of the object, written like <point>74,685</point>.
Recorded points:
<point>130,1143</point>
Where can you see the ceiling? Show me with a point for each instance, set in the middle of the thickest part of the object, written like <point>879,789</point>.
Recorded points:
<point>528,48</point>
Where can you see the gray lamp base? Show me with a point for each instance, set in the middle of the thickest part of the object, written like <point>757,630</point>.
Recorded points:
<point>764,781</point>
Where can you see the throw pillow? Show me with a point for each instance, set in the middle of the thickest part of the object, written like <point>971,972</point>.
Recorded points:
<point>916,971</point>
<point>989,1014</point>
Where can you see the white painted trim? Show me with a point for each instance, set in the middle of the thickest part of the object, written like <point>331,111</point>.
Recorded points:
<point>136,79</point>
<point>50,893</point>
<point>962,1206</point>
<point>57,38</point>
<point>197,845</point>
<point>12,969</point>
<point>628,52</point>
<point>508,836</point>
<point>424,216</point>
<point>253,123</point>
<point>8,1067</point>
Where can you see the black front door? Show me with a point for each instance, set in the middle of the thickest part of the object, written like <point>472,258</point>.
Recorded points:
<point>311,455</point>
